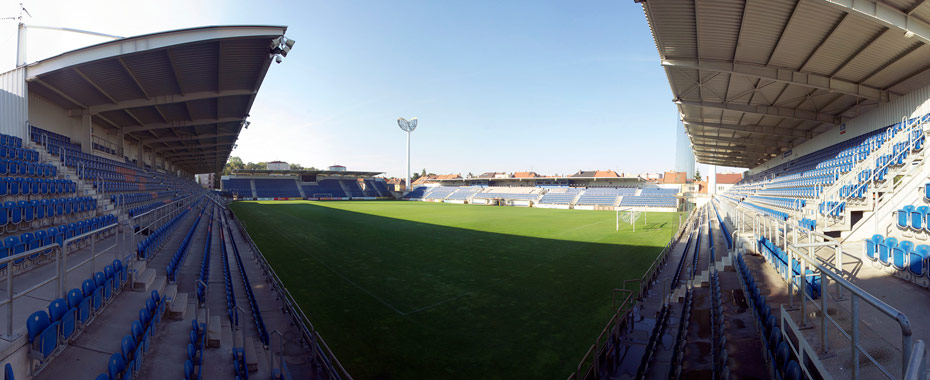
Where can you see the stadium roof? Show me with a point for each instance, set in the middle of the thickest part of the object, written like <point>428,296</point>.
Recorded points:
<point>754,78</point>
<point>184,93</point>
<point>345,173</point>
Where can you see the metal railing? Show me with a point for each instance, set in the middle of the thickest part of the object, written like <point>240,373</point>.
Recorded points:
<point>906,134</point>
<point>802,248</point>
<point>60,254</point>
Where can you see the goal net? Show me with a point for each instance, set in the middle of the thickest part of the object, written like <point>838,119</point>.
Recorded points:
<point>628,216</point>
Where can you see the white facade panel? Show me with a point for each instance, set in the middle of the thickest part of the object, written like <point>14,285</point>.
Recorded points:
<point>50,117</point>
<point>14,103</point>
<point>914,104</point>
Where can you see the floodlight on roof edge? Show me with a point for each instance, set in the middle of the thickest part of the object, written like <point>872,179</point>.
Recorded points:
<point>407,126</point>
<point>280,47</point>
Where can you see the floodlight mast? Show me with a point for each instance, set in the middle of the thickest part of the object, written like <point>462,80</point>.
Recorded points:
<point>407,126</point>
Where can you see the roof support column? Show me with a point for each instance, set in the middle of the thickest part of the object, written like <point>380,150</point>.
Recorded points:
<point>121,138</point>
<point>140,161</point>
<point>87,133</point>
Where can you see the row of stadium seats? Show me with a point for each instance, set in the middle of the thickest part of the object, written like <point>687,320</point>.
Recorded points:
<point>902,256</point>
<point>779,260</point>
<point>198,341</point>
<point>655,338</point>
<point>678,350</point>
<point>240,368</point>
<point>204,277</point>
<point>240,187</point>
<point>43,211</point>
<point>276,188</point>
<point>253,303</point>
<point>149,207</point>
<point>26,168</point>
<point>24,186</point>
<point>13,245</point>
<point>128,361</point>
<point>159,236</point>
<point>718,339</point>
<point>650,201</point>
<point>806,177</point>
<point>783,362</point>
<point>50,332</point>
<point>178,259</point>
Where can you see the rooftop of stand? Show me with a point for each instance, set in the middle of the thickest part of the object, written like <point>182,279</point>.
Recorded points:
<point>185,93</point>
<point>754,79</point>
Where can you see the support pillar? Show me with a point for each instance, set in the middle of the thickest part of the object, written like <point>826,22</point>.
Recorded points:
<point>87,132</point>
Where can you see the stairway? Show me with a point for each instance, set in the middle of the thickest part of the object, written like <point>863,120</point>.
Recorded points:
<point>104,204</point>
<point>301,189</point>
<point>843,224</point>
<point>254,192</point>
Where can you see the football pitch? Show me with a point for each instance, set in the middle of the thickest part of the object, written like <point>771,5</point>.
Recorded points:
<point>416,290</point>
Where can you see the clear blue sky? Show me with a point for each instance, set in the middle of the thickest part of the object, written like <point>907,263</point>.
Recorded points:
<point>548,86</point>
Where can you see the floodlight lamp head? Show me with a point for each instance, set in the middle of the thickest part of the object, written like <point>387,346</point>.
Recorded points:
<point>407,125</point>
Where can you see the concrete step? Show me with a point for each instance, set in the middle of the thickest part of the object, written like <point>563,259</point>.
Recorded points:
<point>226,333</point>
<point>251,355</point>
<point>214,332</point>
<point>145,280</point>
<point>179,307</point>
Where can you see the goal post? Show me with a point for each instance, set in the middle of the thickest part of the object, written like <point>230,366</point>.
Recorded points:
<point>629,216</point>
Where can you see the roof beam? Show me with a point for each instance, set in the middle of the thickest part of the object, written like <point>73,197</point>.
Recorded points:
<point>182,147</point>
<point>761,129</point>
<point>782,75</point>
<point>166,99</point>
<point>62,94</point>
<point>758,142</point>
<point>92,84</point>
<point>133,76</point>
<point>742,142</point>
<point>914,8</point>
<point>181,124</point>
<point>188,137</point>
<point>886,15</point>
<point>859,51</point>
<point>219,148</point>
<point>787,113</point>
<point>723,156</point>
<point>216,157</point>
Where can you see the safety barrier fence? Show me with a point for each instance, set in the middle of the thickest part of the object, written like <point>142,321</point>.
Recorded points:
<point>821,256</point>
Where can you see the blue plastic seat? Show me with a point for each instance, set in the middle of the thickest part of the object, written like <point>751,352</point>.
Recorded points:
<point>57,309</point>
<point>128,347</point>
<point>37,322</point>
<point>917,262</point>
<point>116,366</point>
<point>792,371</point>
<point>884,254</point>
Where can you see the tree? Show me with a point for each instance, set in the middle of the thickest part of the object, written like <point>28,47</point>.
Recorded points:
<point>697,174</point>
<point>258,166</point>
<point>234,163</point>
<point>297,167</point>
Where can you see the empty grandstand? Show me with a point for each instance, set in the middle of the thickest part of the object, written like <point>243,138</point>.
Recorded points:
<point>821,243</point>
<point>105,231</point>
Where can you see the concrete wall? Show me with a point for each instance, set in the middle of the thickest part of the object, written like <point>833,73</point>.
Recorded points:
<point>910,105</point>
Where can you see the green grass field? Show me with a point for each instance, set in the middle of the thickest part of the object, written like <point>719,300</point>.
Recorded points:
<point>415,290</point>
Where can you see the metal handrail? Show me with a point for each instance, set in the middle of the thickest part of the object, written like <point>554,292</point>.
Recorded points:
<point>916,366</point>
<point>889,145</point>
<point>827,274</point>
